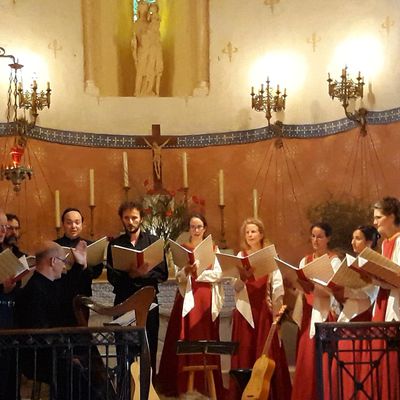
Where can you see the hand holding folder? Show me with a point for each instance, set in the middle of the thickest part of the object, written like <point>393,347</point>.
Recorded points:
<point>138,262</point>
<point>203,255</point>
<point>259,263</point>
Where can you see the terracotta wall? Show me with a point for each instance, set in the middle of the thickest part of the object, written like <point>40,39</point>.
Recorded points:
<point>288,179</point>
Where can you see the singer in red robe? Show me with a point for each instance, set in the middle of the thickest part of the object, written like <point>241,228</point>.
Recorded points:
<point>198,324</point>
<point>387,373</point>
<point>305,380</point>
<point>265,296</point>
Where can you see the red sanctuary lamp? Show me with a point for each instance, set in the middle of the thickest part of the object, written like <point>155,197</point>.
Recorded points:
<point>16,172</point>
<point>31,100</point>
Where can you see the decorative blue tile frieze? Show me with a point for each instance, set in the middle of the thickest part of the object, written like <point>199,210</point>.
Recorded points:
<point>306,131</point>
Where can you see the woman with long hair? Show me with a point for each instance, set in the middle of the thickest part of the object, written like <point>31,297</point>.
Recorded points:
<point>265,297</point>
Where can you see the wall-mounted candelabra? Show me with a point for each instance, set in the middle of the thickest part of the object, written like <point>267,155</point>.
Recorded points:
<point>33,100</point>
<point>268,101</point>
<point>347,90</point>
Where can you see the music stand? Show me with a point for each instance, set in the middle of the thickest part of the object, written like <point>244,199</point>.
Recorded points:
<point>206,347</point>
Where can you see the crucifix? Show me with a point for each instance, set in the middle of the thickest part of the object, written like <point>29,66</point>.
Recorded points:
<point>156,142</point>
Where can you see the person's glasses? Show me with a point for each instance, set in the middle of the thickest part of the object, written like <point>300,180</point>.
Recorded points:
<point>196,227</point>
<point>62,259</point>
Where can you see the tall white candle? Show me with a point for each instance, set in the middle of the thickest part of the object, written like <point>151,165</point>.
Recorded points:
<point>91,187</point>
<point>255,203</point>
<point>125,168</point>
<point>185,170</point>
<point>57,208</point>
<point>221,187</point>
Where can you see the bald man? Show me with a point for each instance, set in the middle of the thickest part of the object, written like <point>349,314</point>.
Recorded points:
<point>38,304</point>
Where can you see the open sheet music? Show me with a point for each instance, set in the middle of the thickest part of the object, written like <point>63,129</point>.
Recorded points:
<point>125,259</point>
<point>378,267</point>
<point>319,272</point>
<point>345,276</point>
<point>204,252</point>
<point>262,262</point>
<point>11,266</point>
<point>95,252</point>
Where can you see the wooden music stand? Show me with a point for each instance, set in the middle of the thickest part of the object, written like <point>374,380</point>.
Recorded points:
<point>204,347</point>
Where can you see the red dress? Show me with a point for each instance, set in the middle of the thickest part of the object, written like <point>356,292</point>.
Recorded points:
<point>389,364</point>
<point>251,342</point>
<point>171,381</point>
<point>305,378</point>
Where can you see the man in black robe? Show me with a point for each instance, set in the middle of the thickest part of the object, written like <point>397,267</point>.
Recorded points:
<point>125,284</point>
<point>13,234</point>
<point>81,283</point>
<point>8,290</point>
<point>40,305</point>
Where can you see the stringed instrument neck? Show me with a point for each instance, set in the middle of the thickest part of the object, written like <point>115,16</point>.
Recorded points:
<point>263,369</point>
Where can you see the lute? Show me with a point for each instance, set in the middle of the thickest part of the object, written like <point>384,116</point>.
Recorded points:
<point>263,369</point>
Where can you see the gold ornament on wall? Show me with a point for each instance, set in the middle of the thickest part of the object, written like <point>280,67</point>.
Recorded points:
<point>55,47</point>
<point>271,3</point>
<point>267,101</point>
<point>229,49</point>
<point>387,24</point>
<point>348,90</point>
<point>314,40</point>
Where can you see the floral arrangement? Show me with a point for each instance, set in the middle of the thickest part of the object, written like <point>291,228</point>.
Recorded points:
<point>166,211</point>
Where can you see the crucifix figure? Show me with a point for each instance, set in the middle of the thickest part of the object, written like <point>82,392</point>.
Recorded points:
<point>156,142</point>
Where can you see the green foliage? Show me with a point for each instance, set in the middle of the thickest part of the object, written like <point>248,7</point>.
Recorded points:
<point>344,217</point>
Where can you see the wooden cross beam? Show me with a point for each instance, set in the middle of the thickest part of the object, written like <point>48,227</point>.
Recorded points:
<point>156,142</point>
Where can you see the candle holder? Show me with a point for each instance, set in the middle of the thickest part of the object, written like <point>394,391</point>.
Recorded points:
<point>92,207</point>
<point>126,190</point>
<point>185,196</point>
<point>222,241</point>
<point>267,101</point>
<point>58,231</point>
<point>346,90</point>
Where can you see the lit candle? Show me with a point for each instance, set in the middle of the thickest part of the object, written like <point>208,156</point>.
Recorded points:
<point>221,187</point>
<point>57,208</point>
<point>91,187</point>
<point>125,168</point>
<point>255,203</point>
<point>185,170</point>
<point>48,85</point>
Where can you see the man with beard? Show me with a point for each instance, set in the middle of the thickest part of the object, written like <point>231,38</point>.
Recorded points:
<point>8,291</point>
<point>125,284</point>
<point>13,234</point>
<point>72,222</point>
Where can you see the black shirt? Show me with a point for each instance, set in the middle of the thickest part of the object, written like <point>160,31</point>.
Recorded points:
<point>124,285</point>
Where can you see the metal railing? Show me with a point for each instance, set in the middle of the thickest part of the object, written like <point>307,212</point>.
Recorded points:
<point>358,360</point>
<point>77,363</point>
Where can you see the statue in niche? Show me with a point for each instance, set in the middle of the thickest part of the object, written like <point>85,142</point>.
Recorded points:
<point>147,50</point>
